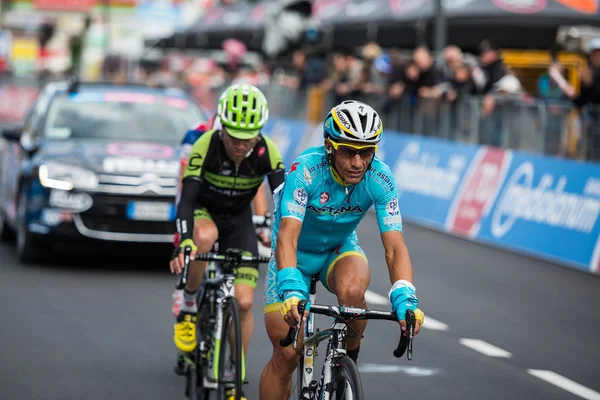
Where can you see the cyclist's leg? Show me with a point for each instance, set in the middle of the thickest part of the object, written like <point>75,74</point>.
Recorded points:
<point>205,234</point>
<point>276,378</point>
<point>347,276</point>
<point>240,234</point>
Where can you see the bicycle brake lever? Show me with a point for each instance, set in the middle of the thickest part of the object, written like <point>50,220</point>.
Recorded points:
<point>301,307</point>
<point>184,275</point>
<point>410,324</point>
<point>406,339</point>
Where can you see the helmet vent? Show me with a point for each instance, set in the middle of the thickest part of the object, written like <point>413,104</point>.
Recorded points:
<point>350,119</point>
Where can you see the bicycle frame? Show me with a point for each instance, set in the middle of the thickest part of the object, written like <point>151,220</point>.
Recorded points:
<point>336,336</point>
<point>217,288</point>
<point>337,344</point>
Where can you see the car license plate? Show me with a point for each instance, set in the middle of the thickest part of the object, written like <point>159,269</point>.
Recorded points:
<point>150,211</point>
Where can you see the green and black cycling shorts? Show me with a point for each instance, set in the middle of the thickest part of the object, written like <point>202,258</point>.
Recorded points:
<point>235,231</point>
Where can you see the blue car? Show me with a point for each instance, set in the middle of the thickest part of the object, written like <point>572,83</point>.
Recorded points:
<point>93,164</point>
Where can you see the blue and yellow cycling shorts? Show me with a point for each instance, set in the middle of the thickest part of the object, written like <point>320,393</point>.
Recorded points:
<point>310,264</point>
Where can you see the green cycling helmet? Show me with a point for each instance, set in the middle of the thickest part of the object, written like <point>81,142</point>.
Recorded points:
<point>243,111</point>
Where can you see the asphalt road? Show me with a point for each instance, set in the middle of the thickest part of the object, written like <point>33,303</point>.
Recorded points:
<point>103,329</point>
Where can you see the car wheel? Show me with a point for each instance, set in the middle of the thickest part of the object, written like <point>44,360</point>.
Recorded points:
<point>6,232</point>
<point>26,241</point>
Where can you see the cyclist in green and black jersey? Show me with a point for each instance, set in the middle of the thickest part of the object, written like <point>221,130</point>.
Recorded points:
<point>224,172</point>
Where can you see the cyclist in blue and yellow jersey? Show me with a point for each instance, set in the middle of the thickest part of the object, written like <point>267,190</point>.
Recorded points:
<point>326,193</point>
<point>225,169</point>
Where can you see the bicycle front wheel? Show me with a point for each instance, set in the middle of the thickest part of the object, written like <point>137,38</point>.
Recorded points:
<point>348,385</point>
<point>230,370</point>
<point>296,387</point>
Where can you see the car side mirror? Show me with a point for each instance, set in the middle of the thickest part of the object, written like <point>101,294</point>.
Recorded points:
<point>29,143</point>
<point>12,134</point>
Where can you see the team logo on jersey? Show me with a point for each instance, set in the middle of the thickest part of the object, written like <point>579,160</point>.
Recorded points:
<point>335,211</point>
<point>392,207</point>
<point>261,151</point>
<point>195,162</point>
<point>300,197</point>
<point>324,198</point>
<point>293,166</point>
<point>307,176</point>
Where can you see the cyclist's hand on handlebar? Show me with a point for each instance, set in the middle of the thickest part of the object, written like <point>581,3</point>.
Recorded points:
<point>178,263</point>
<point>264,234</point>
<point>403,298</point>
<point>419,316</point>
<point>289,309</point>
<point>263,230</point>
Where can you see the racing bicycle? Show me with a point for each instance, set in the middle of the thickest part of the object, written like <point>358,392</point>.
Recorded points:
<point>218,362</point>
<point>340,378</point>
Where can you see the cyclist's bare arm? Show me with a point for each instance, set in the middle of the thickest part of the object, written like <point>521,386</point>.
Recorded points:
<point>398,259</point>
<point>287,243</point>
<point>259,203</point>
<point>396,256</point>
<point>286,247</point>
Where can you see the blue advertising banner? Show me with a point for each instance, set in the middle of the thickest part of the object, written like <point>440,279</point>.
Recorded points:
<point>548,207</point>
<point>427,172</point>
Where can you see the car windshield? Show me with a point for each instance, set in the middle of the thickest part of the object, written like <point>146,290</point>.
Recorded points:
<point>121,116</point>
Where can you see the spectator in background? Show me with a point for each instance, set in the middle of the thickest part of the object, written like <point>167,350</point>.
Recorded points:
<point>384,69</point>
<point>429,77</point>
<point>491,70</point>
<point>461,84</point>
<point>373,81</point>
<point>550,93</point>
<point>342,80</point>
<point>590,77</point>
<point>588,95</point>
<point>547,89</point>
<point>305,72</point>
<point>401,97</point>
<point>430,90</point>
<point>452,59</point>
<point>404,84</point>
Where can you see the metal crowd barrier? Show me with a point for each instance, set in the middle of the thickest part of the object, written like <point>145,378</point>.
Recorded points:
<point>534,125</point>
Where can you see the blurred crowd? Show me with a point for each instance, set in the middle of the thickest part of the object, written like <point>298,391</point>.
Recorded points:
<point>391,75</point>
<point>457,95</point>
<point>475,98</point>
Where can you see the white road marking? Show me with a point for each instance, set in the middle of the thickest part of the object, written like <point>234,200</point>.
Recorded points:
<point>374,298</point>
<point>430,323</point>
<point>485,348</point>
<point>565,383</point>
<point>386,369</point>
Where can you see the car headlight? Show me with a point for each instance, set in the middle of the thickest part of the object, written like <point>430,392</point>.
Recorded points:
<point>66,177</point>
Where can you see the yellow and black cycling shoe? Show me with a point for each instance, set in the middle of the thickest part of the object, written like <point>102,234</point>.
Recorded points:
<point>185,331</point>
<point>230,394</point>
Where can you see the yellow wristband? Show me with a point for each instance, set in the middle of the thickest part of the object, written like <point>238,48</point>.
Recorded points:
<point>286,306</point>
<point>188,242</point>
<point>420,315</point>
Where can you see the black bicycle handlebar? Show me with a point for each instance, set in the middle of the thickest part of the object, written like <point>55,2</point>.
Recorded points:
<point>232,257</point>
<point>292,336</point>
<point>346,313</point>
